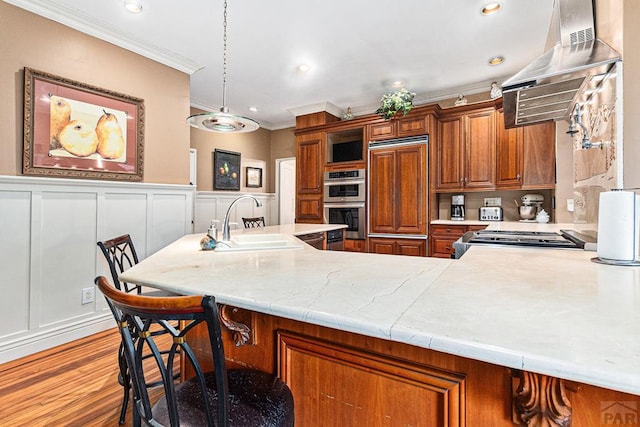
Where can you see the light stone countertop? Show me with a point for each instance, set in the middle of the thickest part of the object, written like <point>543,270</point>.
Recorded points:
<point>550,311</point>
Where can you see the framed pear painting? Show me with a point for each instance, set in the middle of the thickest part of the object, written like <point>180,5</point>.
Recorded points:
<point>75,130</point>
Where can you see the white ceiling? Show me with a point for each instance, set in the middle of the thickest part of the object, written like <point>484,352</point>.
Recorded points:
<point>355,48</point>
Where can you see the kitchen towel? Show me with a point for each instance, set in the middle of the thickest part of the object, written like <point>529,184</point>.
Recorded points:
<point>618,228</point>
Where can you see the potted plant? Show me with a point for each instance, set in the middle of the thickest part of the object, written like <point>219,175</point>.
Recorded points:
<point>394,102</point>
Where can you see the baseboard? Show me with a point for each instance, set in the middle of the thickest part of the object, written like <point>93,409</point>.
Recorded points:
<point>31,344</point>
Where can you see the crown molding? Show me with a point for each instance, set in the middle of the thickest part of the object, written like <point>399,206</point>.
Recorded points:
<point>72,18</point>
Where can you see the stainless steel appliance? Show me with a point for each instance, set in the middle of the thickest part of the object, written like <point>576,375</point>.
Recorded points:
<point>490,213</point>
<point>565,239</point>
<point>345,186</point>
<point>344,201</point>
<point>457,207</point>
<point>531,205</point>
<point>352,214</point>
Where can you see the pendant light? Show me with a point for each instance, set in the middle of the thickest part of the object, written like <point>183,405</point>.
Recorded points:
<point>223,121</point>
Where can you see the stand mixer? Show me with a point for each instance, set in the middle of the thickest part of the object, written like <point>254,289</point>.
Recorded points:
<point>531,205</point>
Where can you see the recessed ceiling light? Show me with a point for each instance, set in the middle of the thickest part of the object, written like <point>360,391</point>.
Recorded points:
<point>491,8</point>
<point>253,109</point>
<point>133,6</point>
<point>496,60</point>
<point>398,83</point>
<point>303,68</point>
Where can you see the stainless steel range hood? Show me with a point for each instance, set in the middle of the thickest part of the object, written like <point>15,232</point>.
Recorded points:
<point>549,87</point>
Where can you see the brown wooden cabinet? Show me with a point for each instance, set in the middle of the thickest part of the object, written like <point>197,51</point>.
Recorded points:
<point>310,161</point>
<point>539,148</point>
<point>509,163</point>
<point>355,245</point>
<point>525,155</point>
<point>442,237</point>
<point>398,246</point>
<point>465,151</point>
<point>398,189</point>
<point>399,128</point>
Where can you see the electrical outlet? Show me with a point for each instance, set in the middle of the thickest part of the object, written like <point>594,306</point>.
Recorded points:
<point>570,205</point>
<point>493,201</point>
<point>88,295</point>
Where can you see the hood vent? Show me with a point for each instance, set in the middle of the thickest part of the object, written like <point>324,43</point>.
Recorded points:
<point>549,87</point>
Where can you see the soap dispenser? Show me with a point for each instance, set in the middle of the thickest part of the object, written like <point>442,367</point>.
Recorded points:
<point>208,242</point>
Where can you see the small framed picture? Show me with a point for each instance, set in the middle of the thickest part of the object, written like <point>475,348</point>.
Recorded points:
<point>226,170</point>
<point>254,177</point>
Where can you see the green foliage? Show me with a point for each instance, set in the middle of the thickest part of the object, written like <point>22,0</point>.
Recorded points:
<point>394,102</point>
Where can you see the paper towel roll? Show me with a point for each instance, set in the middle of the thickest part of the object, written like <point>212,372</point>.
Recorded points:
<point>618,225</point>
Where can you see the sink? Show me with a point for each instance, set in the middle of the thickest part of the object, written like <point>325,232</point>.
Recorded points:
<point>257,242</point>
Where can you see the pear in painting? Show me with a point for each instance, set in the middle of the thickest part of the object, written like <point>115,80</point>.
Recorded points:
<point>78,138</point>
<point>60,116</point>
<point>110,140</point>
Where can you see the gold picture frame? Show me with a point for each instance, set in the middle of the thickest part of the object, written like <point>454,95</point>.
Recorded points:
<point>75,130</point>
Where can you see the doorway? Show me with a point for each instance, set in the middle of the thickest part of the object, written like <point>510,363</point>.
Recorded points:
<point>286,190</point>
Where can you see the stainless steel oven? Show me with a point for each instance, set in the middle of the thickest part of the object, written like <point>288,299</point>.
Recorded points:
<point>352,214</point>
<point>345,186</point>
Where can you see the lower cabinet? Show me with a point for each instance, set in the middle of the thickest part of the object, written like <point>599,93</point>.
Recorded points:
<point>355,245</point>
<point>398,246</point>
<point>443,236</point>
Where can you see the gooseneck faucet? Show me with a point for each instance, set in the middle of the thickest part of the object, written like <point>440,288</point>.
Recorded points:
<point>225,225</point>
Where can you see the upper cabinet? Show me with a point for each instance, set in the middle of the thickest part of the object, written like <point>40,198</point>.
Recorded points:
<point>474,152</point>
<point>465,151</point>
<point>399,127</point>
<point>525,156</point>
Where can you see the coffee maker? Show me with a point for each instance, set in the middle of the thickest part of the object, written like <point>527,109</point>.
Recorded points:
<point>457,207</point>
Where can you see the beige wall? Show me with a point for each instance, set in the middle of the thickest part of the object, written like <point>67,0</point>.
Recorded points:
<point>254,149</point>
<point>27,40</point>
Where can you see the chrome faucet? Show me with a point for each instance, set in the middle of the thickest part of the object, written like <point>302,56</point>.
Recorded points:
<point>226,234</point>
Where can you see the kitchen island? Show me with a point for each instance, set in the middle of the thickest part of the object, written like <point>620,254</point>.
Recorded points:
<point>501,334</point>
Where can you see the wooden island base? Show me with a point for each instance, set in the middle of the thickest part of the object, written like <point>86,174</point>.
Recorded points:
<point>345,379</point>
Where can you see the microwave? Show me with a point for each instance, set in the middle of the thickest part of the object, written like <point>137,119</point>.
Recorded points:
<point>344,186</point>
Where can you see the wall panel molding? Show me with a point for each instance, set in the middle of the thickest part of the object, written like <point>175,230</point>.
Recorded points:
<point>48,250</point>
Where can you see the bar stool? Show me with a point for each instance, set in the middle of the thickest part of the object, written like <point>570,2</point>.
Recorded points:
<point>237,397</point>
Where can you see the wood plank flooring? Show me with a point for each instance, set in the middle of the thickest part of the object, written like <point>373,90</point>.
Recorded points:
<point>75,384</point>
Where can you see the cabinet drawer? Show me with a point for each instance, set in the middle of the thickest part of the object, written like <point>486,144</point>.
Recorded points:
<point>448,230</point>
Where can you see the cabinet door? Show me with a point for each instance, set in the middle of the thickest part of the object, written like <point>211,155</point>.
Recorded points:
<point>411,189</point>
<point>449,154</point>
<point>309,163</point>
<point>509,154</point>
<point>382,175</point>
<point>480,157</point>
<point>380,131</point>
<point>309,177</point>
<point>411,247</point>
<point>412,126</point>
<point>539,146</point>
<point>381,246</point>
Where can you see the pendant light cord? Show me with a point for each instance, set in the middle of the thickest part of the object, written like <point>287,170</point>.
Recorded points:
<point>224,59</point>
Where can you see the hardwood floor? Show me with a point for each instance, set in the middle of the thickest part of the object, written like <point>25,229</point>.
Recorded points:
<point>75,384</point>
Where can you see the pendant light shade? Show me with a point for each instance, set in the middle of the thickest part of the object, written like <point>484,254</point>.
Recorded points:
<point>223,121</point>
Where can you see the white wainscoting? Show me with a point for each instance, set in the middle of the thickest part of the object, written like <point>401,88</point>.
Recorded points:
<point>213,205</point>
<point>48,253</point>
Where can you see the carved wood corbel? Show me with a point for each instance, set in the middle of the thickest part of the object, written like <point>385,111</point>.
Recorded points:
<point>540,400</point>
<point>241,333</point>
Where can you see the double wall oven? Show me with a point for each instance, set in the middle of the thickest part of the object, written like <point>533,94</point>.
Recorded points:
<point>345,200</point>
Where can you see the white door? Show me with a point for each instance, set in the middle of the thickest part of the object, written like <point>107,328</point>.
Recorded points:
<point>286,169</point>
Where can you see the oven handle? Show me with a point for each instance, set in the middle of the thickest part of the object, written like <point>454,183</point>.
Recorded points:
<point>350,182</point>
<point>345,205</point>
